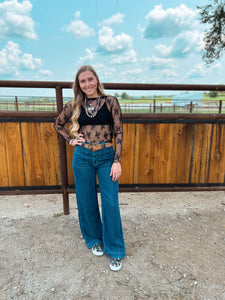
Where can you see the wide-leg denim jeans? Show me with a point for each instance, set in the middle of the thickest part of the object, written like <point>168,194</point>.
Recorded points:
<point>107,227</point>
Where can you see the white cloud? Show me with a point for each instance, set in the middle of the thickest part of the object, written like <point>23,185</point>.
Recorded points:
<point>12,60</point>
<point>113,44</point>
<point>170,22</point>
<point>201,71</point>
<point>103,71</point>
<point>45,72</point>
<point>15,20</point>
<point>128,57</point>
<point>78,28</point>
<point>158,63</point>
<point>183,45</point>
<point>29,62</point>
<point>115,19</point>
<point>168,74</point>
<point>217,68</point>
<point>133,71</point>
<point>197,72</point>
<point>87,58</point>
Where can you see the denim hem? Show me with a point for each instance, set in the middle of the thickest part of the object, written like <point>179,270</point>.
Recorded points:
<point>114,255</point>
<point>90,245</point>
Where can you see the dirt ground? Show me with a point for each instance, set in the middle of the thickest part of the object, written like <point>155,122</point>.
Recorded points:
<point>175,245</point>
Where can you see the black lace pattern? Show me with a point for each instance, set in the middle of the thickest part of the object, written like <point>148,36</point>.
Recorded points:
<point>96,133</point>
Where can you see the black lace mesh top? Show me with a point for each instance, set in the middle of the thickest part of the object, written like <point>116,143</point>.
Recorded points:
<point>97,129</point>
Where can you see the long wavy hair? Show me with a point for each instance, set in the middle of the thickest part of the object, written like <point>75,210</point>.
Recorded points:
<point>79,96</point>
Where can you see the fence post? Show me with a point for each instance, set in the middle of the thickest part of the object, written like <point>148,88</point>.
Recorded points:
<point>16,103</point>
<point>191,107</point>
<point>220,107</point>
<point>62,156</point>
<point>154,105</point>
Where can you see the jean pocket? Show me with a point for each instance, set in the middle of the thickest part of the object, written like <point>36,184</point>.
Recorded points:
<point>110,152</point>
<point>80,157</point>
<point>107,156</point>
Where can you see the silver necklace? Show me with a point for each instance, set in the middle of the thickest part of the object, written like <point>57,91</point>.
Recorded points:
<point>86,108</point>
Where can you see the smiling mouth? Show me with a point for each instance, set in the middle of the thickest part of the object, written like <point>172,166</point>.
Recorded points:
<point>89,90</point>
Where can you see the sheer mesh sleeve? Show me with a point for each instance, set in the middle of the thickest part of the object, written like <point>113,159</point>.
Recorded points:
<point>117,126</point>
<point>62,119</point>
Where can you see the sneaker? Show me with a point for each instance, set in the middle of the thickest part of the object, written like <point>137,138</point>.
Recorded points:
<point>115,264</point>
<point>98,249</point>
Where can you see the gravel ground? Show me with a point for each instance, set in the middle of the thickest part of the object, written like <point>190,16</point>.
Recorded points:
<point>175,246</point>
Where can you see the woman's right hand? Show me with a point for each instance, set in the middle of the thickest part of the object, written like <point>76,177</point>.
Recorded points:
<point>78,140</point>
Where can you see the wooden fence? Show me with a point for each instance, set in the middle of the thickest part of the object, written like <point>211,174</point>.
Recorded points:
<point>161,152</point>
<point>167,154</point>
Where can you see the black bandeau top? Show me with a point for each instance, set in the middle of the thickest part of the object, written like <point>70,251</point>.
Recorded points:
<point>103,117</point>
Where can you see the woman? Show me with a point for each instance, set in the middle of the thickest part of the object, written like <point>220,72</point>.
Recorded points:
<point>95,118</point>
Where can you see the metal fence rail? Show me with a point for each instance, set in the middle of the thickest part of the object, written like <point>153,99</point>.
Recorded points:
<point>150,107</point>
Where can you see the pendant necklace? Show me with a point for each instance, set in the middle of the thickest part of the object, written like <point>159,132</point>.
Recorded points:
<point>91,108</point>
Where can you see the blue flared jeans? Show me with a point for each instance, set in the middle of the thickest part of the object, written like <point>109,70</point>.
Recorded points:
<point>96,228</point>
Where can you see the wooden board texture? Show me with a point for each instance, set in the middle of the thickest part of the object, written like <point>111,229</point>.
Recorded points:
<point>153,153</point>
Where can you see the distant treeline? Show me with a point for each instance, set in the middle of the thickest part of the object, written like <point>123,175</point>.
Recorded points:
<point>211,95</point>
<point>126,96</point>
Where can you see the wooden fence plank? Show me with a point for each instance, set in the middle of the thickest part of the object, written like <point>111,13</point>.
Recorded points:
<point>33,160</point>
<point>50,155</point>
<point>163,153</point>
<point>144,153</point>
<point>201,149</point>
<point>4,178</point>
<point>182,149</point>
<point>217,162</point>
<point>14,154</point>
<point>127,158</point>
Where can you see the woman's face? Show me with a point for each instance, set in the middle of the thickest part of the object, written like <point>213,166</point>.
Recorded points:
<point>88,84</point>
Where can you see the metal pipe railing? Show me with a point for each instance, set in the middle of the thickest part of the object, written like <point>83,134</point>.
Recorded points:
<point>115,86</point>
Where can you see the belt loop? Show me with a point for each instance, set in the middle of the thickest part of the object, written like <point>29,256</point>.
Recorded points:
<point>83,144</point>
<point>103,145</point>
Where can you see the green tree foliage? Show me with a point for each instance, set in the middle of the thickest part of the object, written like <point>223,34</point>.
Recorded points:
<point>213,94</point>
<point>214,37</point>
<point>124,95</point>
<point>117,95</point>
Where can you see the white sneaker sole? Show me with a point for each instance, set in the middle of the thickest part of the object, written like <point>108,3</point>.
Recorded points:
<point>97,253</point>
<point>115,269</point>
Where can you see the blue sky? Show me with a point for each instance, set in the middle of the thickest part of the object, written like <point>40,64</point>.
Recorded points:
<point>142,41</point>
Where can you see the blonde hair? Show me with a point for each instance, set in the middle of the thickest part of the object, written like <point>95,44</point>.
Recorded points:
<point>79,97</point>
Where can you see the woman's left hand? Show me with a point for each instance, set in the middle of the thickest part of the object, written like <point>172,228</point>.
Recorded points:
<point>116,171</point>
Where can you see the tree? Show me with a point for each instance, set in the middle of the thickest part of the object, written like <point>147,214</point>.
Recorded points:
<point>214,37</point>
<point>213,94</point>
<point>124,95</point>
<point>117,95</point>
